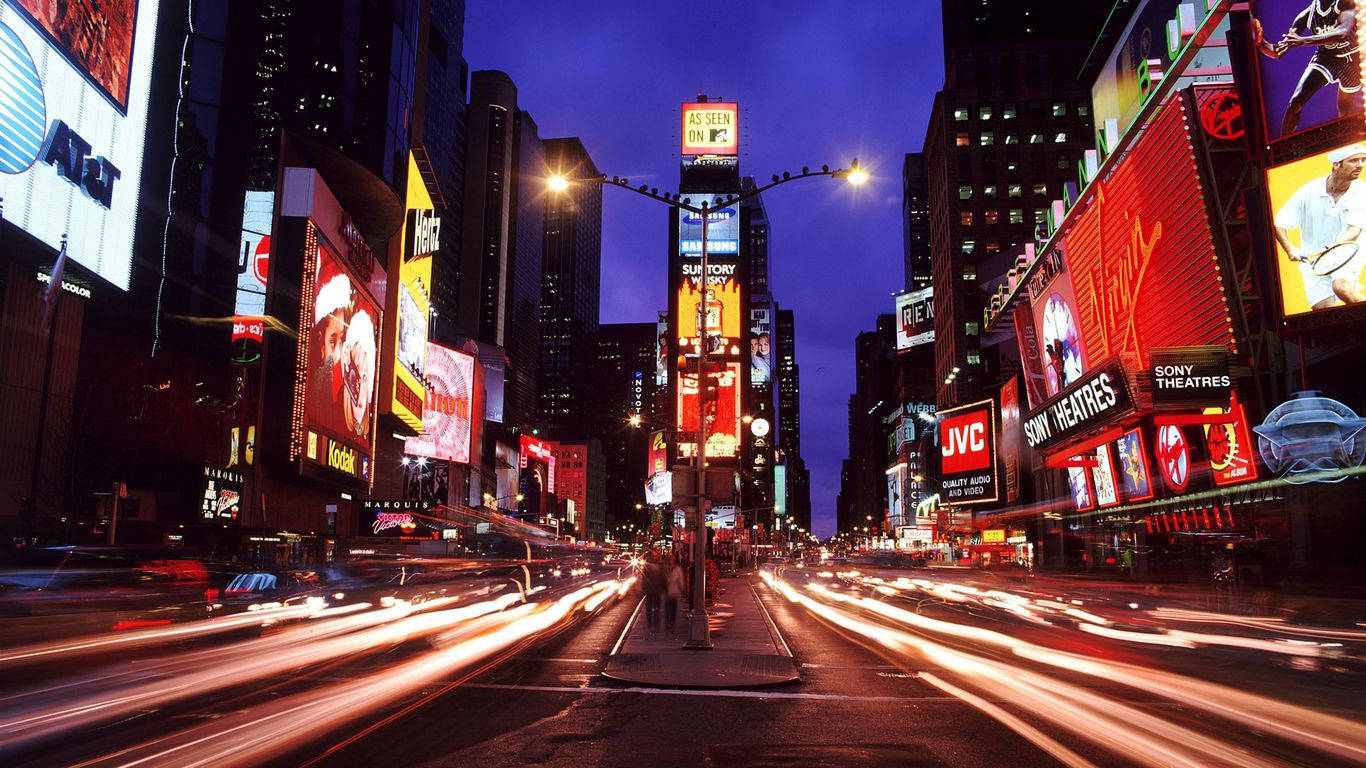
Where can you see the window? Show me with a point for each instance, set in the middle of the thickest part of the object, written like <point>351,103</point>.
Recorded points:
<point>965,218</point>
<point>960,113</point>
<point>971,329</point>
<point>1016,216</point>
<point>965,192</point>
<point>1008,111</point>
<point>1062,163</point>
<point>1036,138</point>
<point>1037,160</point>
<point>1040,215</point>
<point>964,165</point>
<point>969,245</point>
<point>974,357</point>
<point>1060,138</point>
<point>970,272</point>
<point>963,140</point>
<point>992,216</point>
<point>986,139</point>
<point>993,246</point>
<point>1013,190</point>
<point>1040,188</point>
<point>1012,138</point>
<point>1013,166</point>
<point>984,113</point>
<point>989,190</point>
<point>1059,109</point>
<point>1083,110</point>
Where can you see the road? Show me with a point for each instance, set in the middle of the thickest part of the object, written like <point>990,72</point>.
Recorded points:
<point>899,668</point>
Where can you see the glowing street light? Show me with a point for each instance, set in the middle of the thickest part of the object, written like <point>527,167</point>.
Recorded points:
<point>557,183</point>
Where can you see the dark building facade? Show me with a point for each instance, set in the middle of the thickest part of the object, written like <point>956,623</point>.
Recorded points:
<point>624,385</point>
<point>875,396</point>
<point>1003,138</point>
<point>570,292</point>
<point>915,222</point>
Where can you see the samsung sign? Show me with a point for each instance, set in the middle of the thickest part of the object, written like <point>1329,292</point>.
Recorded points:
<point>73,114</point>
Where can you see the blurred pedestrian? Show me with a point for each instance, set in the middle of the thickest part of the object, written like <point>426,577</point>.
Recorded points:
<point>674,585</point>
<point>652,581</point>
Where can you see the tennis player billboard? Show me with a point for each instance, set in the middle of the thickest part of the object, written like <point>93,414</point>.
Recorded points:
<point>1318,207</point>
<point>1309,62</point>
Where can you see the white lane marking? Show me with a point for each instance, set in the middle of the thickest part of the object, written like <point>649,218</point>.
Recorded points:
<point>562,660</point>
<point>715,692</point>
<point>626,629</point>
<point>772,625</point>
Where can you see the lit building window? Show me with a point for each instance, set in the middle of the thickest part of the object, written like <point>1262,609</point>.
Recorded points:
<point>1083,110</point>
<point>971,329</point>
<point>1036,138</point>
<point>989,190</point>
<point>1016,216</point>
<point>1008,111</point>
<point>1059,108</point>
<point>974,357</point>
<point>1013,190</point>
<point>1040,188</point>
<point>992,216</point>
<point>1012,138</point>
<point>984,113</point>
<point>963,140</point>
<point>965,218</point>
<point>1060,138</point>
<point>969,245</point>
<point>986,139</point>
<point>1040,215</point>
<point>960,113</point>
<point>965,192</point>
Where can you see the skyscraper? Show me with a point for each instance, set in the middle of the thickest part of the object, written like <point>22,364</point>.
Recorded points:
<point>624,385</point>
<point>915,222</point>
<point>570,286</point>
<point>1003,137</point>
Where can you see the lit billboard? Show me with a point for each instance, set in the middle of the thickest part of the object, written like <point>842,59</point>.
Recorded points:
<point>896,494</point>
<point>723,231</point>
<point>722,411</point>
<point>1141,255</point>
<point>1134,479</point>
<point>1318,205</point>
<point>446,417</point>
<point>760,346</point>
<point>409,303</point>
<point>662,350</point>
<point>338,349</point>
<point>1232,454</point>
<point>723,307</point>
<point>253,269</point>
<point>1012,438</point>
<point>967,453</point>
<point>914,319</point>
<point>1306,83</point>
<point>659,488</point>
<point>711,128</point>
<point>74,89</point>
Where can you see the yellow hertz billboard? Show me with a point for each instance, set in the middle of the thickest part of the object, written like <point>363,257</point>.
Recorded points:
<point>409,299</point>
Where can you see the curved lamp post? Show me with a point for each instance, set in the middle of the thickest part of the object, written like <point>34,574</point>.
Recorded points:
<point>699,634</point>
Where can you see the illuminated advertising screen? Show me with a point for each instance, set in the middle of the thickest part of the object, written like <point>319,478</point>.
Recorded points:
<point>662,350</point>
<point>723,231</point>
<point>1318,207</point>
<point>711,128</point>
<point>339,336</point>
<point>222,498</point>
<point>896,493</point>
<point>409,301</point>
<point>1133,466</point>
<point>1173,459</point>
<point>1012,438</point>
<point>1232,454</point>
<point>74,90</point>
<point>1140,256</point>
<point>446,417</point>
<point>659,452</point>
<point>722,412</point>
<point>723,305</point>
<point>253,268</point>
<point>967,446</point>
<point>426,481</point>
<point>1080,483</point>
<point>1306,84</point>
<point>915,319</point>
<point>779,490</point>
<point>1103,477</point>
<point>760,346</point>
<point>659,488</point>
<point>538,457</point>
<point>1062,351</point>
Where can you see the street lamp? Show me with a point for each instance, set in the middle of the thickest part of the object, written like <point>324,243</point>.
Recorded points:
<point>699,633</point>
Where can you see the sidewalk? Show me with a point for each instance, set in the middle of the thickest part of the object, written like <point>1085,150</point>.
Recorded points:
<point>748,650</point>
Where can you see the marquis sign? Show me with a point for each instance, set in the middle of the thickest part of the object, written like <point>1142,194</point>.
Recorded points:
<point>1098,397</point>
<point>1191,377</point>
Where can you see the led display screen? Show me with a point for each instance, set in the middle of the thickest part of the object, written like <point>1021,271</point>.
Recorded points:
<point>446,418</point>
<point>253,269</point>
<point>760,346</point>
<point>723,231</point>
<point>1318,208</point>
<point>723,306</point>
<point>409,301</point>
<point>74,84</point>
<point>915,318</point>
<point>662,349</point>
<point>722,412</point>
<point>967,446</point>
<point>340,332</point>
<point>1304,85</point>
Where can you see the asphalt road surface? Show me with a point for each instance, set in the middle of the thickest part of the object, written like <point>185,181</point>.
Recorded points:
<point>898,668</point>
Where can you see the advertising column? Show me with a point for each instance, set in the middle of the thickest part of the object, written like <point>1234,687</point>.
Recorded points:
<point>409,302</point>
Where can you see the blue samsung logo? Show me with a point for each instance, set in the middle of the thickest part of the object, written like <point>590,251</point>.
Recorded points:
<point>23,112</point>
<point>23,118</point>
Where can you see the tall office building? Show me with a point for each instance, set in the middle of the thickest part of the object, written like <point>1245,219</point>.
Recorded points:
<point>501,237</point>
<point>1003,137</point>
<point>581,485</point>
<point>624,385</point>
<point>788,375</point>
<point>570,287</point>
<point>442,98</point>
<point>875,387</point>
<point>915,222</point>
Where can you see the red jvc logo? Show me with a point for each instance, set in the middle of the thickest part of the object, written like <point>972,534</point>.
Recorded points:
<point>966,442</point>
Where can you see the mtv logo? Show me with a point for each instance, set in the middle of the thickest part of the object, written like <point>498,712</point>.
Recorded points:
<point>718,135</point>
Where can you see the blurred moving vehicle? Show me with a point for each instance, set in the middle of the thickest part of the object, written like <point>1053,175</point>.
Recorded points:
<point>112,582</point>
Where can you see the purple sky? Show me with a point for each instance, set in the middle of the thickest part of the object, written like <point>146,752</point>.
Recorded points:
<point>817,82</point>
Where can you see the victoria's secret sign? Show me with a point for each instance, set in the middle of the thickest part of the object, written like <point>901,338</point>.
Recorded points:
<point>1097,398</point>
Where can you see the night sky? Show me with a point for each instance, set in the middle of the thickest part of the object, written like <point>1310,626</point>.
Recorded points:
<point>817,82</point>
